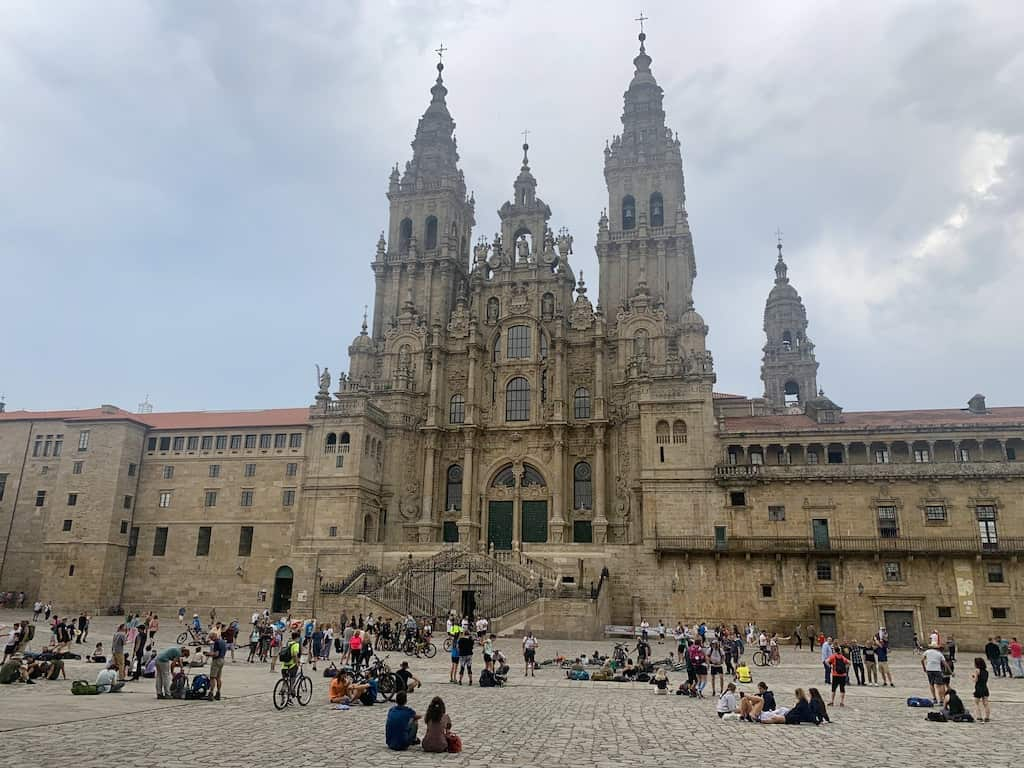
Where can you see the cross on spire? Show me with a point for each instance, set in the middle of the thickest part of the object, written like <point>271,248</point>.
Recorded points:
<point>526,134</point>
<point>778,238</point>
<point>440,51</point>
<point>642,19</point>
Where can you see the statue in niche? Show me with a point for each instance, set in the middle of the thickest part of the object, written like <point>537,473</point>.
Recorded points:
<point>523,248</point>
<point>623,498</point>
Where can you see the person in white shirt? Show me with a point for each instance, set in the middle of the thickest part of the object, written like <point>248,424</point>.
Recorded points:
<point>728,701</point>
<point>644,628</point>
<point>530,645</point>
<point>481,628</point>
<point>106,680</point>
<point>934,664</point>
<point>661,632</point>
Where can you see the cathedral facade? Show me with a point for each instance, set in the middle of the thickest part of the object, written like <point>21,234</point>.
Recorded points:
<point>491,409</point>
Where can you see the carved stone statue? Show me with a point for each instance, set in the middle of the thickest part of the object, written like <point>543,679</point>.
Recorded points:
<point>523,248</point>
<point>323,380</point>
<point>564,244</point>
<point>623,497</point>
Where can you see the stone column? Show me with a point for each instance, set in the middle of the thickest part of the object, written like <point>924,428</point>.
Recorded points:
<point>517,514</point>
<point>600,517</point>
<point>599,409</point>
<point>428,524</point>
<point>471,387</point>
<point>467,526</point>
<point>556,523</point>
<point>435,372</point>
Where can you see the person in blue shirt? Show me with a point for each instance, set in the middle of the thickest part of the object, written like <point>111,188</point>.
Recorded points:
<point>402,724</point>
<point>197,623</point>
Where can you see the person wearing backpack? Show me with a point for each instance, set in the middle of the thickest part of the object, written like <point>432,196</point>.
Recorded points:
<point>839,666</point>
<point>290,655</point>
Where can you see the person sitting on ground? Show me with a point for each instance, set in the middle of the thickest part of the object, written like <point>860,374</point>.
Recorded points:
<point>401,726</point>
<point>751,707</point>
<point>728,702</point>
<point>577,666</point>
<point>742,674</point>
<point>106,680</point>
<point>439,736</point>
<point>818,706</point>
<point>629,671</point>
<point>344,691</point>
<point>409,680</point>
<point>660,682</point>
<point>952,705</point>
<point>14,671</point>
<point>50,670</point>
<point>800,712</point>
<point>98,656</point>
<point>686,688</point>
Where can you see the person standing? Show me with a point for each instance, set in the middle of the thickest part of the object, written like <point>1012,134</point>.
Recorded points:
<point>181,615</point>
<point>80,635</point>
<point>1016,654</point>
<point>826,652</point>
<point>840,668</point>
<point>980,676</point>
<point>810,636</point>
<point>166,661</point>
<point>217,653</point>
<point>117,649</point>
<point>798,637</point>
<point>857,660</point>
<point>934,665</point>
<point>992,654</point>
<point>466,643</point>
<point>530,646</point>
<point>869,663</point>
<point>37,608</point>
<point>882,654</point>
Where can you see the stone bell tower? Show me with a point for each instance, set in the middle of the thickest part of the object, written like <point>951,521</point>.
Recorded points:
<point>424,257</point>
<point>788,368</point>
<point>645,229</point>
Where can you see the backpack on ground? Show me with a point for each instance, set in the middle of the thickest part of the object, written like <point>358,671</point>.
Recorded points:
<point>918,701</point>
<point>580,674</point>
<point>199,689</point>
<point>936,717</point>
<point>83,688</point>
<point>487,679</point>
<point>178,685</point>
<point>331,671</point>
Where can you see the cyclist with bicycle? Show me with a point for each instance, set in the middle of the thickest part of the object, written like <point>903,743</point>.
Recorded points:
<point>290,656</point>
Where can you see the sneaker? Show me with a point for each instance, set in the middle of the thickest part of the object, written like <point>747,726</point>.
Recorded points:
<point>216,696</point>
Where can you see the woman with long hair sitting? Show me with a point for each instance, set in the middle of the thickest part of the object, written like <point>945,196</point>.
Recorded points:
<point>439,736</point>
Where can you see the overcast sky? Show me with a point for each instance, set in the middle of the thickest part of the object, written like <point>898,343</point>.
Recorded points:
<point>191,192</point>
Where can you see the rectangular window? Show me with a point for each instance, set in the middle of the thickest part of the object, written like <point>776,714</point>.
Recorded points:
<point>921,456</point>
<point>1011,454</point>
<point>127,502</point>
<point>812,457</point>
<point>245,541</point>
<point>250,441</point>
<point>986,515</point>
<point>944,611</point>
<point>72,499</point>
<point>994,573</point>
<point>47,445</point>
<point>265,440</point>
<point>179,443</point>
<point>737,498</point>
<point>1000,613</point>
<point>160,542</point>
<point>757,459</point>
<point>221,442</point>
<point>58,445</point>
<point>250,470</point>
<point>291,470</point>
<point>211,499</point>
<point>67,525</point>
<point>83,440</point>
<point>823,570</point>
<point>295,440</point>
<point>767,590</point>
<point>236,442</point>
<point>133,541</point>
<point>935,513</point>
<point>963,454</point>
<point>3,485</point>
<point>165,499</point>
<point>732,458</point>
<point>339,461</point>
<point>76,468</point>
<point>132,468</point>
<point>151,444</point>
<point>281,440</point>
<point>124,527</point>
<point>776,514</point>
<point>518,342</point>
<point>215,470</point>
<point>203,543</point>
<point>168,471</point>
<point>40,498</point>
<point>288,497</point>
<point>887,524</point>
<point>892,572</point>
<point>882,456</point>
<point>206,443</point>
<point>835,457</point>
<point>193,443</point>
<point>37,448</point>
<point>247,497</point>
<point>332,531</point>
<point>165,443</point>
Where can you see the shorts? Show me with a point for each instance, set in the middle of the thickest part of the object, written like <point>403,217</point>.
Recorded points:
<point>700,669</point>
<point>487,658</point>
<point>716,670</point>
<point>466,662</point>
<point>216,667</point>
<point>839,682</point>
<point>480,633</point>
<point>936,678</point>
<point>529,655</point>
<point>455,656</point>
<point>883,666</point>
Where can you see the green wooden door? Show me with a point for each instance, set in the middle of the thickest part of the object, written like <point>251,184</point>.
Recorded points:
<point>499,524</point>
<point>535,522</point>
<point>582,532</point>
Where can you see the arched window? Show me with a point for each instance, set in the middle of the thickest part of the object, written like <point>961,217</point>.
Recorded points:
<point>517,400</point>
<point>582,487</point>
<point>678,431</point>
<point>453,489</point>
<point>518,342</point>
<point>581,403</point>
<point>380,451</point>
<point>493,309</point>
<point>657,210</point>
<point>506,478</point>
<point>369,530</point>
<point>531,477</point>
<point>430,234</point>
<point>641,343</point>
<point>457,409</point>
<point>404,235</point>
<point>792,392</point>
<point>331,443</point>
<point>547,306</point>
<point>345,439</point>
<point>661,433</point>
<point>628,212</point>
<point>787,341</point>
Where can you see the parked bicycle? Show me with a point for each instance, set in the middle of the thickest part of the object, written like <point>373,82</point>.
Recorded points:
<point>415,647</point>
<point>293,688</point>
<point>191,637</point>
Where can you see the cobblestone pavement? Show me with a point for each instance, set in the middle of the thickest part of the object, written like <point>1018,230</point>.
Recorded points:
<point>544,720</point>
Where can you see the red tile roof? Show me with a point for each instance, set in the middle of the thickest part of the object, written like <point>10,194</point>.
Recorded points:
<point>879,420</point>
<point>271,417</point>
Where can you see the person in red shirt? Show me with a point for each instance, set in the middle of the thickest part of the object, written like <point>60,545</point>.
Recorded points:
<point>1017,657</point>
<point>840,666</point>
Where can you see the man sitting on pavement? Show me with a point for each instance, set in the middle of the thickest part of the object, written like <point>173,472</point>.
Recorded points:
<point>410,681</point>
<point>344,691</point>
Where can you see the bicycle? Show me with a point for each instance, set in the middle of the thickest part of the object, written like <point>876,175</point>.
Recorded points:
<point>191,637</point>
<point>763,659</point>
<point>419,647</point>
<point>388,683</point>
<point>293,688</point>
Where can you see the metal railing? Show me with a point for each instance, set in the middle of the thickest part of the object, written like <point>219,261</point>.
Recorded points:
<point>952,545</point>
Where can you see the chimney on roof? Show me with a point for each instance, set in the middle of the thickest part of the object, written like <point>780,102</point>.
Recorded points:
<point>3,405</point>
<point>108,409</point>
<point>977,405</point>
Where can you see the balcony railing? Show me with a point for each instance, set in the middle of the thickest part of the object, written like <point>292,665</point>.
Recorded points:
<point>726,473</point>
<point>937,545</point>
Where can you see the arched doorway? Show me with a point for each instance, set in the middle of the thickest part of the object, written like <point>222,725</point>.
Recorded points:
<point>283,589</point>
<point>517,507</point>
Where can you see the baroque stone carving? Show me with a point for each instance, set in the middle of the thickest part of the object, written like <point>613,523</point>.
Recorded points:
<point>409,504</point>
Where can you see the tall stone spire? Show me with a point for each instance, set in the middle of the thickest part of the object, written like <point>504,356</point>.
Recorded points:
<point>434,151</point>
<point>788,369</point>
